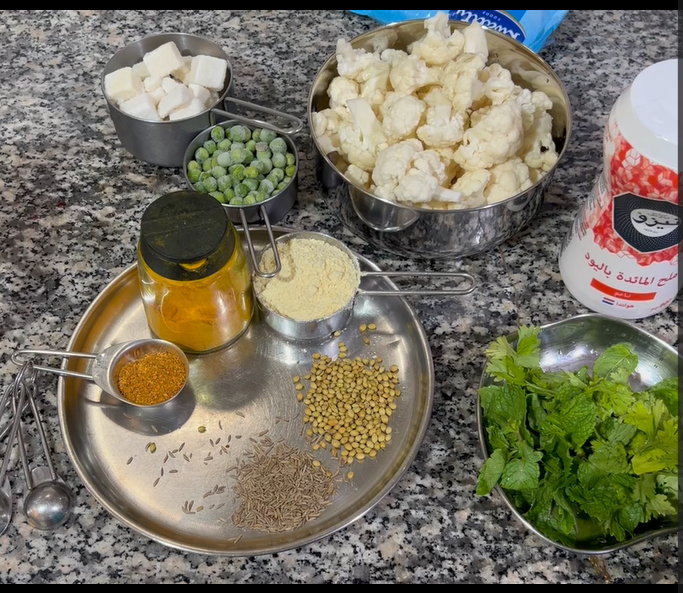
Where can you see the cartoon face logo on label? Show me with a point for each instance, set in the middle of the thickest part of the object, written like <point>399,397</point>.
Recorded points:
<point>646,225</point>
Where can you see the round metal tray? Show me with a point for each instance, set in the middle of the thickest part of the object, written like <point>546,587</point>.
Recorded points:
<point>236,394</point>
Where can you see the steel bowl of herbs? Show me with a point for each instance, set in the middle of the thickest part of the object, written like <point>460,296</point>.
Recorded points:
<point>578,424</point>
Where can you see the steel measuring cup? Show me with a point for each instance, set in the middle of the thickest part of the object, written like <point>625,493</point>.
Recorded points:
<point>325,326</point>
<point>106,366</point>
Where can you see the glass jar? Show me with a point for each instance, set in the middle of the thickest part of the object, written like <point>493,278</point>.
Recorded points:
<point>194,278</point>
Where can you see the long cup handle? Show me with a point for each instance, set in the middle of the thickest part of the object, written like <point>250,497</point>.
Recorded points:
<point>297,124</point>
<point>250,245</point>
<point>444,292</point>
<point>63,353</point>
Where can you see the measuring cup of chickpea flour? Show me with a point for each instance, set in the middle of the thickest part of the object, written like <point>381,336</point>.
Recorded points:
<point>194,278</point>
<point>315,291</point>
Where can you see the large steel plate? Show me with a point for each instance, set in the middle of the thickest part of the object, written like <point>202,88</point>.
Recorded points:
<point>241,391</point>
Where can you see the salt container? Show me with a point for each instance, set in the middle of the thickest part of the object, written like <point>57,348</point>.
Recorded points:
<point>620,256</point>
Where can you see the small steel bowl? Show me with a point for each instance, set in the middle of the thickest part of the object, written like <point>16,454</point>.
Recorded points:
<point>276,206</point>
<point>162,143</point>
<point>422,233</point>
<point>571,344</point>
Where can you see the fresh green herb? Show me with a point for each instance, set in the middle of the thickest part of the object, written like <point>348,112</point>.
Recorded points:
<point>580,454</point>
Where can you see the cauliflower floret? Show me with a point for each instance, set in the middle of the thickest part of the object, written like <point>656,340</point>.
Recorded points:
<point>375,83</point>
<point>429,162</point>
<point>326,125</point>
<point>362,139</point>
<point>507,179</point>
<point>442,128</point>
<point>391,56</point>
<point>410,73</point>
<point>534,104</point>
<point>342,89</point>
<point>498,84</point>
<point>392,164</point>
<point>475,40</point>
<point>401,115</point>
<point>439,46</point>
<point>416,187</point>
<point>358,176</point>
<point>472,185</point>
<point>538,150</point>
<point>460,80</point>
<point>494,139</point>
<point>352,63</point>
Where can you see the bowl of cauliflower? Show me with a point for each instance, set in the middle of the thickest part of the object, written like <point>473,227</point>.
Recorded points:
<point>436,139</point>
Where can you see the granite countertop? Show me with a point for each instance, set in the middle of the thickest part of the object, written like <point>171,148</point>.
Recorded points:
<point>71,201</point>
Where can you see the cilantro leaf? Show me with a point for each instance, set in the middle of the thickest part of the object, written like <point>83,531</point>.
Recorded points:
<point>667,391</point>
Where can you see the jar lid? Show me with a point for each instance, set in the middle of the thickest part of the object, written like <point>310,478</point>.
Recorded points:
<point>186,235</point>
<point>653,129</point>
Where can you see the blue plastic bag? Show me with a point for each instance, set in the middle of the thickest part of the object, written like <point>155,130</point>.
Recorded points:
<point>530,27</point>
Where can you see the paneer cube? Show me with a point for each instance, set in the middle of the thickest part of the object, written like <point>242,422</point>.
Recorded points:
<point>157,95</point>
<point>184,70</point>
<point>141,70</point>
<point>194,107</point>
<point>163,60</point>
<point>151,84</point>
<point>180,95</point>
<point>208,71</point>
<point>201,93</point>
<point>122,84</point>
<point>141,106</point>
<point>168,83</point>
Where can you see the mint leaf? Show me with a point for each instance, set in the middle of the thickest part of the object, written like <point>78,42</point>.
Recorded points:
<point>491,472</point>
<point>522,474</point>
<point>528,352</point>
<point>504,405</point>
<point>617,363</point>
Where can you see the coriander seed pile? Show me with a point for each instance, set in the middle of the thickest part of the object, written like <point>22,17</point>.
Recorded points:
<point>349,403</point>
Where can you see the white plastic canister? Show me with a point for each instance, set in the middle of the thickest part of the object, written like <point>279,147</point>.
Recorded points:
<point>620,257</point>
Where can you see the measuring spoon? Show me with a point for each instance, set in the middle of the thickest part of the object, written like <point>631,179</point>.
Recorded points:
<point>106,366</point>
<point>48,504</point>
<point>5,490</point>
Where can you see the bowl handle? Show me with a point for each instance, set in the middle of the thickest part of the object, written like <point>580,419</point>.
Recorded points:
<point>250,244</point>
<point>297,124</point>
<point>390,224</point>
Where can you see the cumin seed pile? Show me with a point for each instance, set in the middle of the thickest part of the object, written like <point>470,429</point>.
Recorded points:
<point>280,489</point>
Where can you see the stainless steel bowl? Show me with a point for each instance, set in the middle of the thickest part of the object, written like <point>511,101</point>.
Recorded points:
<point>162,143</point>
<point>276,206</point>
<point>571,344</point>
<point>438,234</point>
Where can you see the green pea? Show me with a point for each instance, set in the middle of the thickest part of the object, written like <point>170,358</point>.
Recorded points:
<point>218,195</point>
<point>290,158</point>
<point>210,184</point>
<point>225,144</point>
<point>251,172</point>
<point>252,183</point>
<point>241,190</point>
<point>235,201</point>
<point>210,146</point>
<point>290,170</point>
<point>192,165</point>
<point>193,175</point>
<point>200,187</point>
<point>201,154</point>
<point>225,182</point>
<point>217,134</point>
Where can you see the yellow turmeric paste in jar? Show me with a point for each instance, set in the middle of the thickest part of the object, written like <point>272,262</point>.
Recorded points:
<point>194,278</point>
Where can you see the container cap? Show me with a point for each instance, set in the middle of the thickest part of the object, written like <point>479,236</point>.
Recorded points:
<point>654,103</point>
<point>186,235</point>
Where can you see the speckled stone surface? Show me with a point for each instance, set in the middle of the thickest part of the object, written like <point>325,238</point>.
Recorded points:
<point>70,205</point>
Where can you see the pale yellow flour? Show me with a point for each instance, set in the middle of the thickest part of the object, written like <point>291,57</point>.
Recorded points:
<point>316,280</point>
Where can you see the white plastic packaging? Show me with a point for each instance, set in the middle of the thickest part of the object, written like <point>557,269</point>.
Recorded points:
<point>620,257</point>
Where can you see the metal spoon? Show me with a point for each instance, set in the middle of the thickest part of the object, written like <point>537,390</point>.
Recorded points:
<point>5,490</point>
<point>47,505</point>
<point>106,366</point>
